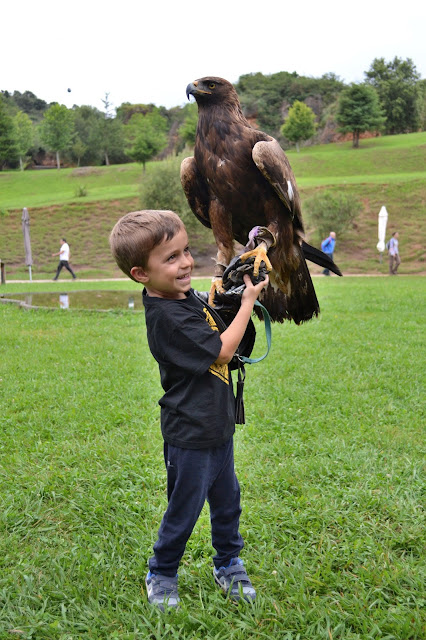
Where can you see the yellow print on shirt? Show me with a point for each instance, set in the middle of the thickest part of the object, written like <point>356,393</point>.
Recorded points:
<point>219,370</point>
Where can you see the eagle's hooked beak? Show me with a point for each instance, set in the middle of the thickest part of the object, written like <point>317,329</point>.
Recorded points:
<point>194,90</point>
<point>190,89</point>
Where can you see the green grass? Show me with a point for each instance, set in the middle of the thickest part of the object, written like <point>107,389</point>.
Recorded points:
<point>330,461</point>
<point>381,178</point>
<point>377,159</point>
<point>50,187</point>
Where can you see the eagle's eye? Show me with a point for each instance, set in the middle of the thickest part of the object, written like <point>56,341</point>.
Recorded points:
<point>211,85</point>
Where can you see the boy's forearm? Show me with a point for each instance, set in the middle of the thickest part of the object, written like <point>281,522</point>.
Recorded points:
<point>233,335</point>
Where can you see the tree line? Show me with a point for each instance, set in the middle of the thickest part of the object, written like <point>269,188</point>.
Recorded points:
<point>290,107</point>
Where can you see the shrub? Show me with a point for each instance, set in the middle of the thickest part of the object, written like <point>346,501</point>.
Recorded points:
<point>330,211</point>
<point>81,191</point>
<point>161,189</point>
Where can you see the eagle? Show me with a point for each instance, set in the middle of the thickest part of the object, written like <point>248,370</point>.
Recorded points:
<point>240,184</point>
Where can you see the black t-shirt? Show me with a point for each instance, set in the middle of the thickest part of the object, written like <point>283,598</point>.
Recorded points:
<point>198,406</point>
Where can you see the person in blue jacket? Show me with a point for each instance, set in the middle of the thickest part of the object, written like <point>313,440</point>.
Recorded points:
<point>327,246</point>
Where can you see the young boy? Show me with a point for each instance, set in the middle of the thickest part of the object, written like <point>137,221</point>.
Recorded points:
<point>198,405</point>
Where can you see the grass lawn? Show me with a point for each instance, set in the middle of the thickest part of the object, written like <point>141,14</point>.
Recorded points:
<point>377,160</point>
<point>330,462</point>
<point>49,187</point>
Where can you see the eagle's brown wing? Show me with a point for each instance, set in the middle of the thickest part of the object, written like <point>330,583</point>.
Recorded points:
<point>295,297</point>
<point>209,210</point>
<point>196,190</point>
<point>272,162</point>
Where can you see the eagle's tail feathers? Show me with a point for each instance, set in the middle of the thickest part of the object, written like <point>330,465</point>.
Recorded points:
<point>299,304</point>
<point>319,257</point>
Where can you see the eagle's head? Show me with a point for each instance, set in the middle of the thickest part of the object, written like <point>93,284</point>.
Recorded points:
<point>211,90</point>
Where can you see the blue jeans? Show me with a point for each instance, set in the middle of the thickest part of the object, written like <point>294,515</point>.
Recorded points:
<point>326,272</point>
<point>194,476</point>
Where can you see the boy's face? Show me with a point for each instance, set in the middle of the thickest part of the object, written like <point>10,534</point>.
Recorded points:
<point>169,268</point>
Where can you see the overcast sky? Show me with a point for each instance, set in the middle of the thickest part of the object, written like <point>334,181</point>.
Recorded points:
<point>148,51</point>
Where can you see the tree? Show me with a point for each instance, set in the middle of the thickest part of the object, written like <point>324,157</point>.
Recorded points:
<point>78,149</point>
<point>8,148</point>
<point>24,133</point>
<point>57,129</point>
<point>397,84</point>
<point>358,111</point>
<point>110,134</point>
<point>31,105</point>
<point>300,124</point>
<point>188,129</point>
<point>262,97</point>
<point>126,110</point>
<point>87,130</point>
<point>146,136</point>
<point>422,87</point>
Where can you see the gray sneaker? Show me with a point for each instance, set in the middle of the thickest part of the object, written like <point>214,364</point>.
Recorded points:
<point>234,580</point>
<point>162,591</point>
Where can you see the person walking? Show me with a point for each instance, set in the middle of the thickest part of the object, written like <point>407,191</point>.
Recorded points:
<point>64,256</point>
<point>327,246</point>
<point>394,259</point>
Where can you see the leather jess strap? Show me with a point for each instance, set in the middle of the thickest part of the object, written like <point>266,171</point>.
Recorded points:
<point>268,332</point>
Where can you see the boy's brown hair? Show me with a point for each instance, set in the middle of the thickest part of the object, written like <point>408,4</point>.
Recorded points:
<point>136,234</point>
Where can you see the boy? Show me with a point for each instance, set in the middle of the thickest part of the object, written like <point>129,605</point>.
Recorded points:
<point>198,406</point>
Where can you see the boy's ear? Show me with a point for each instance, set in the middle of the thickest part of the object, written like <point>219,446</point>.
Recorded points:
<point>139,274</point>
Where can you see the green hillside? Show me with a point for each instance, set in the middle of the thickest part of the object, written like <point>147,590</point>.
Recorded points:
<point>386,171</point>
<point>377,160</point>
<point>50,187</point>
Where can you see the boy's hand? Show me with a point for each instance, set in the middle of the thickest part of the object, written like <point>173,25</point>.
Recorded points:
<point>251,292</point>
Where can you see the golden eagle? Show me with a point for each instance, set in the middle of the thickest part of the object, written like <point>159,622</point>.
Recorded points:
<point>238,180</point>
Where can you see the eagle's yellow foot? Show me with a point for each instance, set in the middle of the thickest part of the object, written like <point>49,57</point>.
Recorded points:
<point>260,255</point>
<point>216,286</point>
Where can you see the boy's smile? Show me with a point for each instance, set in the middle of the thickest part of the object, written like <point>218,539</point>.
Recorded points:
<point>169,268</point>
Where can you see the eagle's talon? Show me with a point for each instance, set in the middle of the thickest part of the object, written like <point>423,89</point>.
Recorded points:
<point>260,255</point>
<point>216,287</point>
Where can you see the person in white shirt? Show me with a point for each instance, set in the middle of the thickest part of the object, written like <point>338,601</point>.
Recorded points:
<point>394,259</point>
<point>64,256</point>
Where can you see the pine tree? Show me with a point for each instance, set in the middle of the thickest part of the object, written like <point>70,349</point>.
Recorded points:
<point>358,111</point>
